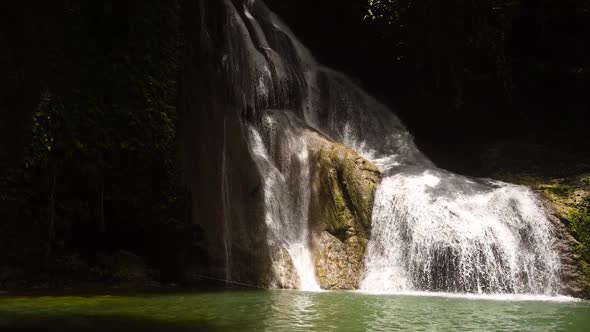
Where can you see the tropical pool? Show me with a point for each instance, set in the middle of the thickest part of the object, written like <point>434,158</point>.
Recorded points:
<point>291,311</point>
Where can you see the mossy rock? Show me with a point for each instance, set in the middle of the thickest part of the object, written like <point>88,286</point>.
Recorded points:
<point>346,184</point>
<point>339,264</point>
<point>284,274</point>
<point>343,189</point>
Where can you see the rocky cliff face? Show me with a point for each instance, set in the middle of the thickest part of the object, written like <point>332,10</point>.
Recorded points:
<point>574,281</point>
<point>218,171</point>
<point>573,252</point>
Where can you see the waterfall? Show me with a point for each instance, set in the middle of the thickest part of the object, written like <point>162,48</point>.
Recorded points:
<point>226,204</point>
<point>437,231</point>
<point>432,230</point>
<point>284,163</point>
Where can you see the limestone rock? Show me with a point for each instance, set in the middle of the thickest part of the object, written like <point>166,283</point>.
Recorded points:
<point>342,194</point>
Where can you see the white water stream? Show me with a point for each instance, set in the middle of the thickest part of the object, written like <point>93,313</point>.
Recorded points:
<point>432,230</point>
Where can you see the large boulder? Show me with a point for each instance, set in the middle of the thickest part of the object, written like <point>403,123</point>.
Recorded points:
<point>342,192</point>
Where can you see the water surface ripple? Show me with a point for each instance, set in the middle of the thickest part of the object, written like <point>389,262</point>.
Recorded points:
<point>293,311</point>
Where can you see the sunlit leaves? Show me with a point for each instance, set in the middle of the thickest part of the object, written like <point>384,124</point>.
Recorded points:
<point>45,122</point>
<point>385,10</point>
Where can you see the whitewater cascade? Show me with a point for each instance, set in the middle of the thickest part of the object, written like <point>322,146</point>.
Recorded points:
<point>437,231</point>
<point>432,230</point>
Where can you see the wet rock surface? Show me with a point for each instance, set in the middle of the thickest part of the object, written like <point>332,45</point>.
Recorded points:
<point>343,188</point>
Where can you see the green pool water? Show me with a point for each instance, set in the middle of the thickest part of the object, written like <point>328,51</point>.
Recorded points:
<point>290,311</point>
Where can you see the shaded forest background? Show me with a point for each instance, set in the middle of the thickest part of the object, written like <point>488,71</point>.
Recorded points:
<point>89,180</point>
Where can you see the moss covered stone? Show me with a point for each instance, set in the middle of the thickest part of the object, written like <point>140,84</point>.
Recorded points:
<point>343,188</point>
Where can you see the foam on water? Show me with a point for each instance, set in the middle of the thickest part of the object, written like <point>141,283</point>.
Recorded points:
<point>475,296</point>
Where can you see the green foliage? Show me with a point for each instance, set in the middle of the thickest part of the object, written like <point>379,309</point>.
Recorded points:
<point>578,222</point>
<point>448,36</point>
<point>386,10</point>
<point>99,172</point>
<point>122,267</point>
<point>485,59</point>
<point>71,265</point>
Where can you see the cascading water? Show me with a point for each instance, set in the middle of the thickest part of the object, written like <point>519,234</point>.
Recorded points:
<point>277,144</point>
<point>431,230</point>
<point>441,232</point>
<point>284,162</point>
<point>225,203</point>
